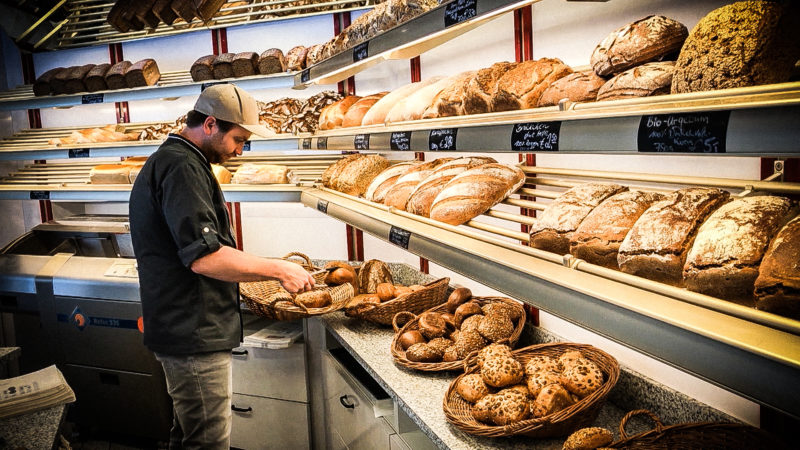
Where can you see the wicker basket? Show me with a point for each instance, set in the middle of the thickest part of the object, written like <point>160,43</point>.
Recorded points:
<point>698,435</point>
<point>434,293</point>
<point>269,299</point>
<point>582,414</point>
<point>399,354</point>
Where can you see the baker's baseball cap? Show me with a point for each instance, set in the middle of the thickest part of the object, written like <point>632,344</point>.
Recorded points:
<point>231,103</point>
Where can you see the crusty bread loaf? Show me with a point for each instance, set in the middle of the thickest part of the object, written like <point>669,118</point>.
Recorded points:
<point>332,115</point>
<point>645,40</point>
<point>115,77</point>
<point>398,194</point>
<point>523,85</point>
<point>42,85</point>
<point>742,44</point>
<point>163,10</point>
<point>116,15</point>
<point>355,114</point>
<point>333,171</point>
<point>271,61</point>
<point>377,114</point>
<point>421,198</point>
<point>134,161</point>
<point>657,244</point>
<point>110,174</point>
<point>483,87</point>
<point>203,68</point>
<point>555,225</point>
<point>296,58</point>
<point>597,238</point>
<point>575,87</point>
<point>649,79</point>
<point>74,82</point>
<point>95,79</point>
<point>184,9</point>
<point>245,64</point>
<point>207,8</point>
<point>142,73</point>
<point>358,173</point>
<point>474,191</point>
<point>777,288</point>
<point>413,106</point>
<point>314,54</point>
<point>223,66</point>
<point>450,100</point>
<point>723,261</point>
<point>144,12</point>
<point>58,83</point>
<point>257,173</point>
<point>376,191</point>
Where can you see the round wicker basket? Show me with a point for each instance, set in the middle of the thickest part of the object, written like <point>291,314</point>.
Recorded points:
<point>434,293</point>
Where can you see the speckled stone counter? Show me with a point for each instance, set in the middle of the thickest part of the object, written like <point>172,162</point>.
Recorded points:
<point>35,431</point>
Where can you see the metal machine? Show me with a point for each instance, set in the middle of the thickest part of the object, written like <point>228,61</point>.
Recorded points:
<point>69,291</point>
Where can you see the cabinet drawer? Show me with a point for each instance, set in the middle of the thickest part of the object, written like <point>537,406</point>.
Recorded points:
<point>270,423</point>
<point>279,374</point>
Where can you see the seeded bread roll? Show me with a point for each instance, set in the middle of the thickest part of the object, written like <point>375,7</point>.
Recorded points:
<point>501,372</point>
<point>645,40</point>
<point>582,378</point>
<point>504,309</point>
<point>597,238</point>
<point>356,175</point>
<point>777,288</point>
<point>95,79</point>
<point>483,409</point>
<point>422,352</point>
<point>552,398</point>
<point>588,438</point>
<point>542,363</point>
<point>658,242</point>
<point>223,66</point>
<point>646,80</point>
<point>203,68</point>
<point>421,198</point>
<point>380,185</point>
<point>472,388</point>
<point>496,327</point>
<point>467,342</point>
<point>74,82</point>
<point>575,87</point>
<point>398,194</point>
<point>522,86</point>
<point>271,61</point>
<point>492,351</point>
<point>450,100</point>
<point>42,85</point>
<point>514,407</point>
<point>538,380</point>
<point>115,77</point>
<point>296,58</point>
<point>727,251</point>
<point>142,73</point>
<point>355,114</point>
<point>474,191</point>
<point>555,226</point>
<point>377,114</point>
<point>245,64</point>
<point>742,44</point>
<point>483,87</point>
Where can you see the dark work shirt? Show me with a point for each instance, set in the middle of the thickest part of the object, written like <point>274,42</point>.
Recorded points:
<point>177,215</point>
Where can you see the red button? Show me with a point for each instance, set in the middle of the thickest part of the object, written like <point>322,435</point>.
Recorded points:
<point>140,324</point>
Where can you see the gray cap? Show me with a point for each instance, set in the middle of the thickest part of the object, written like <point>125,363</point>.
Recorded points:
<point>231,103</point>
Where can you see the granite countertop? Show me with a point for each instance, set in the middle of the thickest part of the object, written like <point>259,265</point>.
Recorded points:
<point>36,430</point>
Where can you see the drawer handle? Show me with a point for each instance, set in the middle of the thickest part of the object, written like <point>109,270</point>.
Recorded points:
<point>248,409</point>
<point>343,401</point>
<point>238,352</point>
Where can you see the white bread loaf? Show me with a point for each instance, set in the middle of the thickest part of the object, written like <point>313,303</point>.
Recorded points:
<point>475,191</point>
<point>413,106</point>
<point>397,196</point>
<point>332,115</point>
<point>376,191</point>
<point>222,174</point>
<point>254,173</point>
<point>110,174</point>
<point>377,114</point>
<point>421,198</point>
<point>355,114</point>
<point>357,174</point>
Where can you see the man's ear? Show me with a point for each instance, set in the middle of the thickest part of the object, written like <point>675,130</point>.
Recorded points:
<point>209,124</point>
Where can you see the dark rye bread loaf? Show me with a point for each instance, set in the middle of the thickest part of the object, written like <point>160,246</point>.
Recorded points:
<point>575,87</point>
<point>95,79</point>
<point>271,61</point>
<point>142,73</point>
<point>600,234</point>
<point>727,251</point>
<point>42,85</point>
<point>554,227</point>
<point>642,81</point>
<point>203,68</point>
<point>777,288</point>
<point>741,44</point>
<point>482,88</point>
<point>115,77</point>
<point>58,83</point>
<point>245,64</point>
<point>223,66</point>
<point>74,83</point>
<point>522,86</point>
<point>163,10</point>
<point>658,242</point>
<point>645,40</point>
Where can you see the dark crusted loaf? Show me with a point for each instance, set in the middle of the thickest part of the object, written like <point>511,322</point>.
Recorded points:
<point>777,288</point>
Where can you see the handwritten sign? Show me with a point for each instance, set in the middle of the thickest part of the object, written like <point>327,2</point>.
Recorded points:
<point>399,237</point>
<point>88,99</point>
<point>702,132</point>
<point>306,144</point>
<point>40,195</point>
<point>361,142</point>
<point>535,137</point>
<point>78,153</point>
<point>322,206</point>
<point>442,139</point>
<point>400,140</point>
<point>305,76</point>
<point>322,143</point>
<point>361,51</point>
<point>459,11</point>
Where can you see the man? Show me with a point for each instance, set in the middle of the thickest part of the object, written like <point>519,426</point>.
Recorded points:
<point>189,266</point>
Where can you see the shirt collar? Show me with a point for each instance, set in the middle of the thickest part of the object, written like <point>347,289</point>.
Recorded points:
<point>190,144</point>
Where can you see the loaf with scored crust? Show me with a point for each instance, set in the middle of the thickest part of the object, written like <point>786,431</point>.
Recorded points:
<point>421,198</point>
<point>523,85</point>
<point>358,173</point>
<point>483,87</point>
<point>380,185</point>
<point>398,194</point>
<point>647,80</point>
<point>377,114</point>
<point>575,87</point>
<point>450,100</point>
<point>777,288</point>
<point>356,111</point>
<point>332,115</point>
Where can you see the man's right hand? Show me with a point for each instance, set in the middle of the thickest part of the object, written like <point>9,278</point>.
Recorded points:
<point>294,277</point>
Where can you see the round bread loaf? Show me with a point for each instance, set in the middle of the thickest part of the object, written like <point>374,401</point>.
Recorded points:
<point>513,407</point>
<point>483,87</point>
<point>371,274</point>
<point>777,288</point>
<point>458,297</point>
<point>496,327</point>
<point>358,173</point>
<point>647,80</point>
<point>472,388</point>
<point>492,351</point>
<point>541,363</point>
<point>450,100</point>
<point>501,372</point>
<point>409,338</point>
<point>522,86</point>
<point>582,377</point>
<point>588,438</point>
<point>431,325</point>
<point>575,87</point>
<point>537,380</point>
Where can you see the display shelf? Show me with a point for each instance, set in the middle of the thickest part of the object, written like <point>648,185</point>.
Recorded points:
<point>759,120</point>
<point>708,337</point>
<point>409,39</point>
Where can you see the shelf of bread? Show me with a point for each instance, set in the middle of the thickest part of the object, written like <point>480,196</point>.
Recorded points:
<point>407,40</point>
<point>756,120</point>
<point>656,318</point>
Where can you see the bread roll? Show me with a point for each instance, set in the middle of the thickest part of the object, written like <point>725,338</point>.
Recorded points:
<point>376,191</point>
<point>501,372</point>
<point>450,100</point>
<point>371,274</point>
<point>377,114</point>
<point>724,260</point>
<point>256,173</point>
<point>357,174</point>
<point>332,115</point>
<point>95,79</point>
<point>588,438</point>
<point>552,398</point>
<point>74,82</point>
<point>398,194</point>
<point>472,388</point>
<point>296,58</point>
<point>582,377</point>
<point>271,61</point>
<point>313,55</point>
<point>42,84</point>
<point>245,64</point>
<point>645,40</point>
<point>319,298</point>
<point>475,191</point>
<point>142,73</point>
<point>575,87</point>
<point>599,235</point>
<point>514,406</point>
<point>223,66</point>
<point>110,174</point>
<point>555,225</point>
<point>657,244</point>
<point>646,80</point>
<point>355,114</point>
<point>222,174</point>
<point>522,86</point>
<point>777,288</point>
<point>413,106</point>
<point>421,198</point>
<point>115,77</point>
<point>483,87</point>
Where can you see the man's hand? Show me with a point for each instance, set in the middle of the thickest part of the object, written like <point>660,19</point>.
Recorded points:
<point>294,277</point>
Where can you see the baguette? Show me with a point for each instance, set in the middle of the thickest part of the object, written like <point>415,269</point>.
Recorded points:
<point>398,194</point>
<point>421,198</point>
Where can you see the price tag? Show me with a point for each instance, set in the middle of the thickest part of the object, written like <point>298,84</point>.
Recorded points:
<point>306,144</point>
<point>535,136</point>
<point>88,99</point>
<point>322,143</point>
<point>322,205</point>
<point>78,153</point>
<point>400,140</point>
<point>361,51</point>
<point>399,237</point>
<point>40,195</point>
<point>458,11</point>
<point>361,142</point>
<point>305,76</point>
<point>702,132</point>
<point>442,139</point>
<point>205,86</point>
<point>246,146</point>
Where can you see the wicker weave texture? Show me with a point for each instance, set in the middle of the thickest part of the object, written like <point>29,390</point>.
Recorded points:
<point>433,294</point>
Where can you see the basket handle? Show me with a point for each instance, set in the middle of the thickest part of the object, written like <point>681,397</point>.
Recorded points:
<point>470,360</point>
<point>653,417</point>
<point>300,255</point>
<point>399,316</point>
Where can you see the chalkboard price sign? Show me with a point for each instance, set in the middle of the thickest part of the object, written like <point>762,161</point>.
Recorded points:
<point>535,137</point>
<point>305,76</point>
<point>322,206</point>
<point>246,146</point>
<point>361,51</point>
<point>306,145</point>
<point>702,132</point>
<point>361,142</point>
<point>400,140</point>
<point>40,195</point>
<point>459,11</point>
<point>78,153</point>
<point>442,139</point>
<point>205,86</point>
<point>322,143</point>
<point>399,237</point>
<point>88,99</point>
